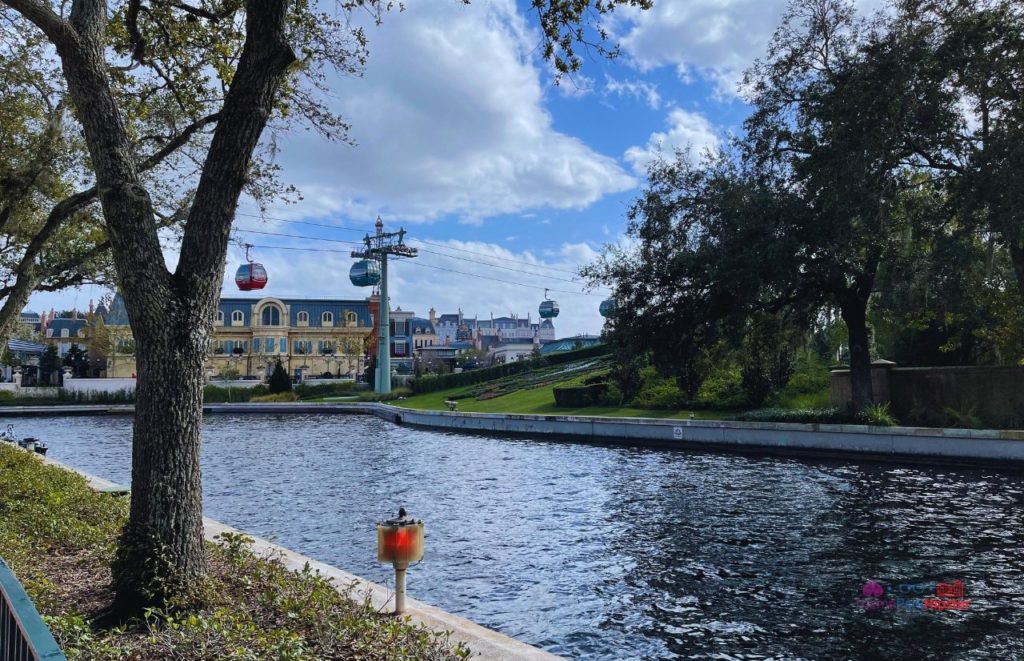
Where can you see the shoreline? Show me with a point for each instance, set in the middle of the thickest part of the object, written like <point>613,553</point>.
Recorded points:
<point>986,448</point>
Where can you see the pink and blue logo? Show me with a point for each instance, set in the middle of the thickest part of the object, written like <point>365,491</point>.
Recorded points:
<point>925,595</point>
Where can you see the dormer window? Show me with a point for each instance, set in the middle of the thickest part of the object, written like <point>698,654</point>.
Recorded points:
<point>237,317</point>
<point>271,316</point>
<point>327,319</point>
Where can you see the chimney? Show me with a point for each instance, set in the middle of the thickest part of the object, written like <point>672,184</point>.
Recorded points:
<point>433,316</point>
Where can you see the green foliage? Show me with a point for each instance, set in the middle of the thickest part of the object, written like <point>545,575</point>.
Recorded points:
<point>58,535</point>
<point>878,415</point>
<point>319,390</point>
<point>658,392</point>
<point>723,389</point>
<point>575,397</point>
<point>433,383</point>
<point>49,363</point>
<point>213,394</point>
<point>279,379</point>
<point>289,396</point>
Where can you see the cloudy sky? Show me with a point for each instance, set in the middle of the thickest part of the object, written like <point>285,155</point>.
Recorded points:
<point>513,182</point>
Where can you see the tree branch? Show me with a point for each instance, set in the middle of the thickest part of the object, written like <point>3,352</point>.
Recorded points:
<point>53,26</point>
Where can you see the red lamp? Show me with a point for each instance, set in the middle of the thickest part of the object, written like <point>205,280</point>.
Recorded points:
<point>400,542</point>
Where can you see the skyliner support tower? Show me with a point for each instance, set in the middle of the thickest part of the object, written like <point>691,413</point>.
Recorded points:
<point>378,247</point>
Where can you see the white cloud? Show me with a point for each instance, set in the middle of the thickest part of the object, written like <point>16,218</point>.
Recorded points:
<point>638,89</point>
<point>716,38</point>
<point>686,131</point>
<point>449,119</point>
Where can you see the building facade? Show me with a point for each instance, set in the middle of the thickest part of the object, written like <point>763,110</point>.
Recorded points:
<point>311,338</point>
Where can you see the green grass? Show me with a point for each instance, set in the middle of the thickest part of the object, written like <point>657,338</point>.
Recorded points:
<point>59,538</point>
<point>538,401</point>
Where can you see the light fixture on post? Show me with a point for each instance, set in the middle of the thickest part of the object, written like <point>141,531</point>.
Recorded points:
<point>400,542</point>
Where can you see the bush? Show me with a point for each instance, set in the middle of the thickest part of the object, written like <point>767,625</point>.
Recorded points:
<point>276,397</point>
<point>724,389</point>
<point>5,395</point>
<point>658,392</point>
<point>279,379</point>
<point>217,395</point>
<point>325,389</point>
<point>435,382</point>
<point>878,415</point>
<point>831,416</point>
<point>580,396</point>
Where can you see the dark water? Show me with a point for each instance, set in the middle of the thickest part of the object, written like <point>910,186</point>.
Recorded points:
<point>615,553</point>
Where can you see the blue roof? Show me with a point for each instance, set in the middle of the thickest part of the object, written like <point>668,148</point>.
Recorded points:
<point>118,315</point>
<point>315,308</point>
<point>423,325</point>
<point>72,325</point>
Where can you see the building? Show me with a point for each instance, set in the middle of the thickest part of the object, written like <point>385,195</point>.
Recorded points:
<point>311,337</point>
<point>493,332</point>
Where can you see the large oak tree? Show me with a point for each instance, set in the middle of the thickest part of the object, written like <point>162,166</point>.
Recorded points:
<point>226,63</point>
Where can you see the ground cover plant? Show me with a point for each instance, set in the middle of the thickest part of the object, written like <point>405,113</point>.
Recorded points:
<point>59,538</point>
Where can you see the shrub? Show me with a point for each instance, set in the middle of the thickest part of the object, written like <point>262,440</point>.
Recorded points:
<point>324,389</point>
<point>276,397</point>
<point>878,415</point>
<point>580,396</point>
<point>5,395</point>
<point>658,393</point>
<point>724,389</point>
<point>279,379</point>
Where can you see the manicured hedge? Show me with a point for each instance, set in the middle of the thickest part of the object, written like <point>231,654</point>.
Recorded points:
<point>574,397</point>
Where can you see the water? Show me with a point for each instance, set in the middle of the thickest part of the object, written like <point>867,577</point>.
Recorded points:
<point>617,553</point>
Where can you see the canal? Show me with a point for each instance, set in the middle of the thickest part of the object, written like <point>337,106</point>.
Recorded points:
<point>597,552</point>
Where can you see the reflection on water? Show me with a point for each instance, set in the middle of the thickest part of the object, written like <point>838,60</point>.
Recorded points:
<point>614,552</point>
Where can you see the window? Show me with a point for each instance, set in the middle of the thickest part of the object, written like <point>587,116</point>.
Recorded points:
<point>302,318</point>
<point>283,345</point>
<point>229,346</point>
<point>351,319</point>
<point>81,332</point>
<point>271,316</point>
<point>400,348</point>
<point>327,319</point>
<point>268,345</point>
<point>64,332</point>
<point>49,332</point>
<point>237,317</point>
<point>220,317</point>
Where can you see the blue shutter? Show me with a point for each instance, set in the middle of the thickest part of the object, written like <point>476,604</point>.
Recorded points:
<point>284,345</point>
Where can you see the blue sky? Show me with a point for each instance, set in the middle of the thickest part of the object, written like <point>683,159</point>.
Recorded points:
<point>463,138</point>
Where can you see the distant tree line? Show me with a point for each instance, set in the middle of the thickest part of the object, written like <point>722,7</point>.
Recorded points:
<point>873,196</point>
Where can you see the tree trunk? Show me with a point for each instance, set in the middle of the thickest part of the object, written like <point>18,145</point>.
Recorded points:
<point>1017,257</point>
<point>161,553</point>
<point>854,312</point>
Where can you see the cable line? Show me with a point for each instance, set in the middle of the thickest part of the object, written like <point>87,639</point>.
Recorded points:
<point>423,241</point>
<point>507,282</point>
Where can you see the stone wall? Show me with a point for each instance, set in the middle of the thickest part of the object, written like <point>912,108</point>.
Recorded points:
<point>940,396</point>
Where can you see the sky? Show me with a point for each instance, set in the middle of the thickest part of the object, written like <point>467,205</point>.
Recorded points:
<point>507,182</point>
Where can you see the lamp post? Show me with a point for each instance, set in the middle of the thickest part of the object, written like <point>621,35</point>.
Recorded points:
<point>400,542</point>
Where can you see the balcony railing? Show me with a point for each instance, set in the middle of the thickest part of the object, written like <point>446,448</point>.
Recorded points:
<point>23,634</point>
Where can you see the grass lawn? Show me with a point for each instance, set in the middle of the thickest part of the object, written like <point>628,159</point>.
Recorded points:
<point>540,401</point>
<point>59,537</point>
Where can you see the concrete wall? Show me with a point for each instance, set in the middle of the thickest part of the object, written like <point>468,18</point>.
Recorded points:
<point>992,396</point>
<point>34,391</point>
<point>99,385</point>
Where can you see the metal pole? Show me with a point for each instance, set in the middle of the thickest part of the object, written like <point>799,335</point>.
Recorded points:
<point>383,374</point>
<point>400,588</point>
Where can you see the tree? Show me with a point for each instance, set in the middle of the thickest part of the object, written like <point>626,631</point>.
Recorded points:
<point>78,360</point>
<point>799,214</point>
<point>279,381</point>
<point>49,364</point>
<point>250,49</point>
